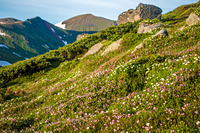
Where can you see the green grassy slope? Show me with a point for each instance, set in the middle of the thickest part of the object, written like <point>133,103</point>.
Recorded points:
<point>88,22</point>
<point>155,89</point>
<point>180,13</point>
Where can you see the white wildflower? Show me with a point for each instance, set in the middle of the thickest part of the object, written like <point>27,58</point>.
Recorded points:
<point>147,124</point>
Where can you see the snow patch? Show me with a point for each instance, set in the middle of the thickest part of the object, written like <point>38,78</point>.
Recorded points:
<point>4,46</point>
<point>2,34</point>
<point>16,54</point>
<point>4,63</point>
<point>65,42</point>
<point>60,37</point>
<point>53,30</point>
<point>1,45</point>
<point>46,45</point>
<point>26,58</point>
<point>64,35</point>
<point>60,25</point>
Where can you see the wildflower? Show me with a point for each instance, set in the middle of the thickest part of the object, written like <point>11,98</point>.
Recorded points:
<point>147,128</point>
<point>172,131</point>
<point>198,122</point>
<point>196,112</point>
<point>147,124</point>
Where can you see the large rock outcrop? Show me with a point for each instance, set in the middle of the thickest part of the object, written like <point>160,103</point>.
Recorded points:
<point>112,47</point>
<point>192,20</point>
<point>94,49</point>
<point>144,11</point>
<point>81,36</point>
<point>144,28</point>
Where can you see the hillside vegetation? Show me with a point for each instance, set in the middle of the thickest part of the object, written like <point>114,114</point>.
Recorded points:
<point>180,13</point>
<point>154,89</point>
<point>68,52</point>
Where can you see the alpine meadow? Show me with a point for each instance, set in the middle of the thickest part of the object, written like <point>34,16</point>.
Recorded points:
<point>122,79</point>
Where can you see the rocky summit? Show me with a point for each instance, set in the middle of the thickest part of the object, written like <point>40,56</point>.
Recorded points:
<point>143,11</point>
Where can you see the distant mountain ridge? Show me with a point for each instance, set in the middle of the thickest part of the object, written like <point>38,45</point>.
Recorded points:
<point>21,40</point>
<point>86,22</point>
<point>9,21</point>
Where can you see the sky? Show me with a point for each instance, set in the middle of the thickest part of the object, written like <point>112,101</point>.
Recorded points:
<point>55,11</point>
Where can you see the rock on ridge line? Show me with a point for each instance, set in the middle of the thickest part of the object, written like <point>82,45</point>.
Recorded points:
<point>144,28</point>
<point>143,11</point>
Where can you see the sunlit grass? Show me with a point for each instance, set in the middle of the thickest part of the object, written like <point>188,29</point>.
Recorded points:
<point>155,89</point>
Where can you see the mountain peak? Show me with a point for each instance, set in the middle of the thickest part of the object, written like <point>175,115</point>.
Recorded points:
<point>35,18</point>
<point>86,22</point>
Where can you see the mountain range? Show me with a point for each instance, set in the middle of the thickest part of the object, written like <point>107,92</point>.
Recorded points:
<point>22,40</point>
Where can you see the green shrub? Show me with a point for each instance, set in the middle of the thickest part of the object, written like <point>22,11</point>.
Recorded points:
<point>151,21</point>
<point>133,39</point>
<point>197,11</point>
